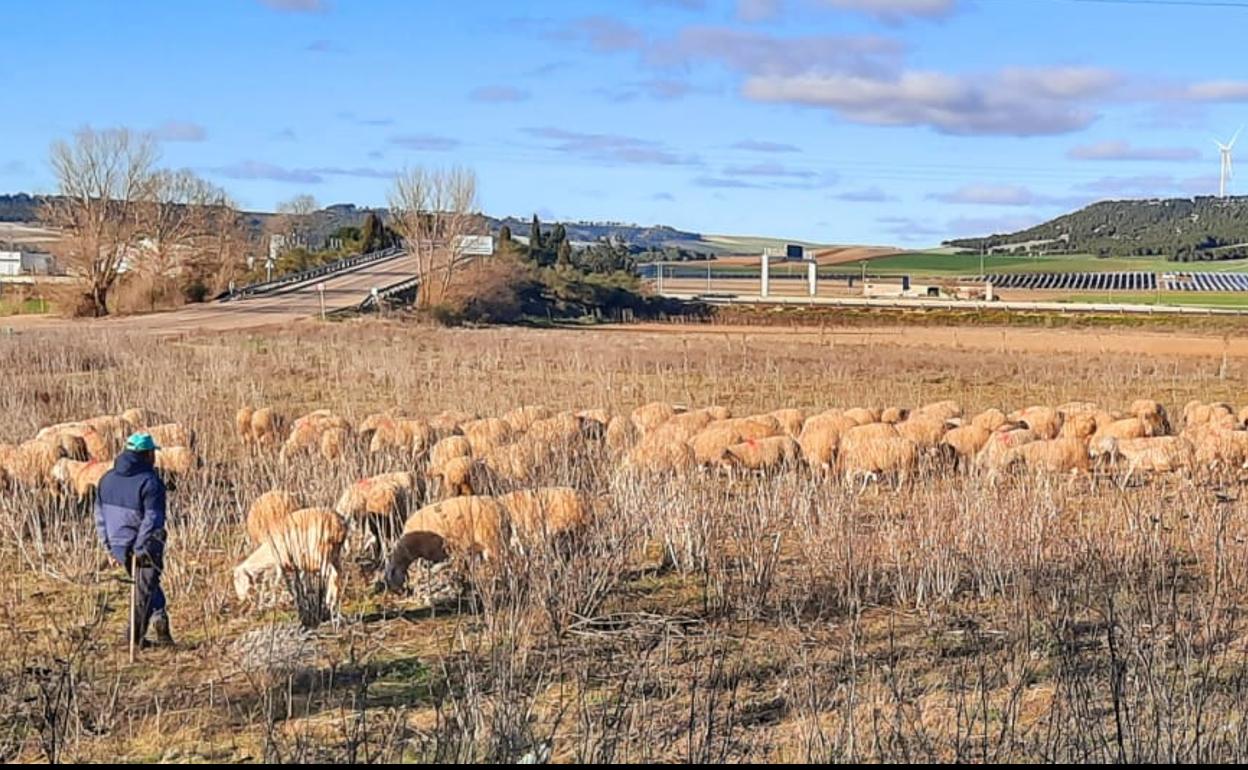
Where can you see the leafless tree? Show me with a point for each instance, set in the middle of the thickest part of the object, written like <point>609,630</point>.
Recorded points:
<point>182,226</point>
<point>103,180</point>
<point>433,211</point>
<point>295,220</point>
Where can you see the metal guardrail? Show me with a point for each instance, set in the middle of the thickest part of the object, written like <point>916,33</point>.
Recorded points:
<point>291,279</point>
<point>390,291</point>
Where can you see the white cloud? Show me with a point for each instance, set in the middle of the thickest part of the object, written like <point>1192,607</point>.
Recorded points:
<point>1122,150</point>
<point>610,148</point>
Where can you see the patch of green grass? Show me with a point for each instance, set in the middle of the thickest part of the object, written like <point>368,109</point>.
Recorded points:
<point>25,307</point>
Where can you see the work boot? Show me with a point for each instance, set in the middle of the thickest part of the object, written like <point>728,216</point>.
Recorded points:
<point>160,627</point>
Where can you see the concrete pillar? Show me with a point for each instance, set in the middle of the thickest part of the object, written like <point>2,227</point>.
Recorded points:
<point>988,291</point>
<point>765,268</point>
<point>812,278</point>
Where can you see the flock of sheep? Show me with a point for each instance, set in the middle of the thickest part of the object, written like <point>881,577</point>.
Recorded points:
<point>445,502</point>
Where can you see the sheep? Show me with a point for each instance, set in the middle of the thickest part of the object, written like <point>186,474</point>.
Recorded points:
<point>821,435</point>
<point>1057,455</point>
<point>708,445</point>
<point>774,453</point>
<point>717,412</point>
<point>621,435</point>
<point>1218,448</point>
<point>80,477</point>
<point>242,424</point>
<point>333,443</point>
<point>322,419</point>
<point>600,416</point>
<point>137,418</point>
<point>522,418</point>
<point>447,423</point>
<point>518,462</point>
<point>965,442</point>
<point>875,455</point>
<point>112,430</point>
<point>863,416</point>
<point>304,437</point>
<point>1130,427</point>
<point>471,526</point>
<point>995,452</point>
<point>448,449</point>
<point>941,410</point>
<point>1152,414</point>
<point>267,512</point>
<point>176,460</point>
<point>307,542</point>
<point>258,427</point>
<point>30,463</point>
<point>651,456</point>
<point>989,419</point>
<point>560,429</point>
<point>172,434</point>
<point>1044,420</point>
<point>650,416</point>
<point>924,430</point>
<point>1156,454</point>
<point>486,434</point>
<point>869,432</point>
<point>1241,417</point>
<point>894,414</point>
<point>458,476</point>
<point>408,435</point>
<point>789,420</point>
<point>545,513</point>
<point>377,504</point>
<point>1078,425</point>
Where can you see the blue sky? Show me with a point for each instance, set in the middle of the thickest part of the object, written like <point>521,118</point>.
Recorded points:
<point>850,121</point>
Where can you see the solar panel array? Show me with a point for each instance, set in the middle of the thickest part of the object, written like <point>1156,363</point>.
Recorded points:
<point>1075,281</point>
<point>1204,281</point>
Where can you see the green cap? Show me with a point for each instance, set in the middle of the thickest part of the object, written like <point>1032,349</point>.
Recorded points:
<point>141,442</point>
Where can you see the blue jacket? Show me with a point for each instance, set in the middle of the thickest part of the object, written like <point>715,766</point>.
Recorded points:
<point>130,508</point>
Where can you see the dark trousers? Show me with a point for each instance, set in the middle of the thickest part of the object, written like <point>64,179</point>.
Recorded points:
<point>150,598</point>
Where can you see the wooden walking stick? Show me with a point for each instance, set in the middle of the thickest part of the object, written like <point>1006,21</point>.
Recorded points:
<point>134,599</point>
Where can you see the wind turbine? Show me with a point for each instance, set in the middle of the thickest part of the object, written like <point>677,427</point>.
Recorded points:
<point>1225,151</point>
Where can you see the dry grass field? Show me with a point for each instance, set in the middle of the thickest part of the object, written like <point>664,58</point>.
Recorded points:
<point>958,617</point>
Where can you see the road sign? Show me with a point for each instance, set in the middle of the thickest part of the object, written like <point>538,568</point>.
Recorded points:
<point>475,245</point>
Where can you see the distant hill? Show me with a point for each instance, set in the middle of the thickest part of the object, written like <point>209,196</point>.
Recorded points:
<point>1182,229</point>
<point>25,208</point>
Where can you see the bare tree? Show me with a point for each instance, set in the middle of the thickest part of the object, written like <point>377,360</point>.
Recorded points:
<point>433,211</point>
<point>181,226</point>
<point>103,179</point>
<point>295,220</point>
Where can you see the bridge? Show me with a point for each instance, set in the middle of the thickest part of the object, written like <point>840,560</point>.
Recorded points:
<point>344,285</point>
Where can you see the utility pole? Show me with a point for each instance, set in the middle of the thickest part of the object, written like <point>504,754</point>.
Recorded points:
<point>320,289</point>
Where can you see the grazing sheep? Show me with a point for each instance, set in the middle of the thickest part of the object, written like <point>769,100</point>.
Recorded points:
<point>650,416</point>
<point>600,416</point>
<point>304,438</point>
<point>989,419</point>
<point>457,476</point>
<point>1217,448</point>
<point>448,449</point>
<point>377,505</point>
<point>872,456</point>
<point>322,419</point>
<point>621,435</point>
<point>333,443</point>
<point>709,444</point>
<point>941,410</point>
<point>660,457</point>
<point>402,434</point>
<point>112,430</point>
<point>863,416</point>
<point>486,434</point>
<point>1131,427</point>
<point>268,511</point>
<point>469,526</point>
<point>81,478</point>
<point>1153,415</point>
<point>447,423</point>
<point>1078,425</point>
<point>79,441</point>
<point>258,427</point>
<point>1241,417</point>
<point>789,420</point>
<point>869,432</point>
<point>995,453</point>
<point>717,412</point>
<point>522,419</point>
<point>544,513</point>
<point>894,414</point>
<point>1044,420</point>
<point>30,463</point>
<point>1154,454</point>
<point>821,435</point>
<point>137,418</point>
<point>771,454</point>
<point>966,441</point>
<point>172,434</point>
<point>560,430</point>
<point>308,542</point>
<point>924,430</point>
<point>1057,455</point>
<point>176,460</point>
<point>242,424</point>
<point>519,462</point>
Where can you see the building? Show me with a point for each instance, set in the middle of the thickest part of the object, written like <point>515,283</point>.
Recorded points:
<point>15,263</point>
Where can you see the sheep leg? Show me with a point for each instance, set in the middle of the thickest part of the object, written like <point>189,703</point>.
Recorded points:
<point>262,560</point>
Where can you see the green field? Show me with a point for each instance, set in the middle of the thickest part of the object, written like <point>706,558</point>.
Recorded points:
<point>920,263</point>
<point>1230,300</point>
<point>25,307</point>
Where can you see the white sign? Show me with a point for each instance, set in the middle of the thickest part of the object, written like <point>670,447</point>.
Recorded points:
<point>475,245</point>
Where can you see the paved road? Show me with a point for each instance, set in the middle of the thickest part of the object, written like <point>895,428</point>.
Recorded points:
<point>342,291</point>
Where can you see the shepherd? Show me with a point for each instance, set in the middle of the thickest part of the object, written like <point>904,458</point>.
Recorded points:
<point>130,521</point>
